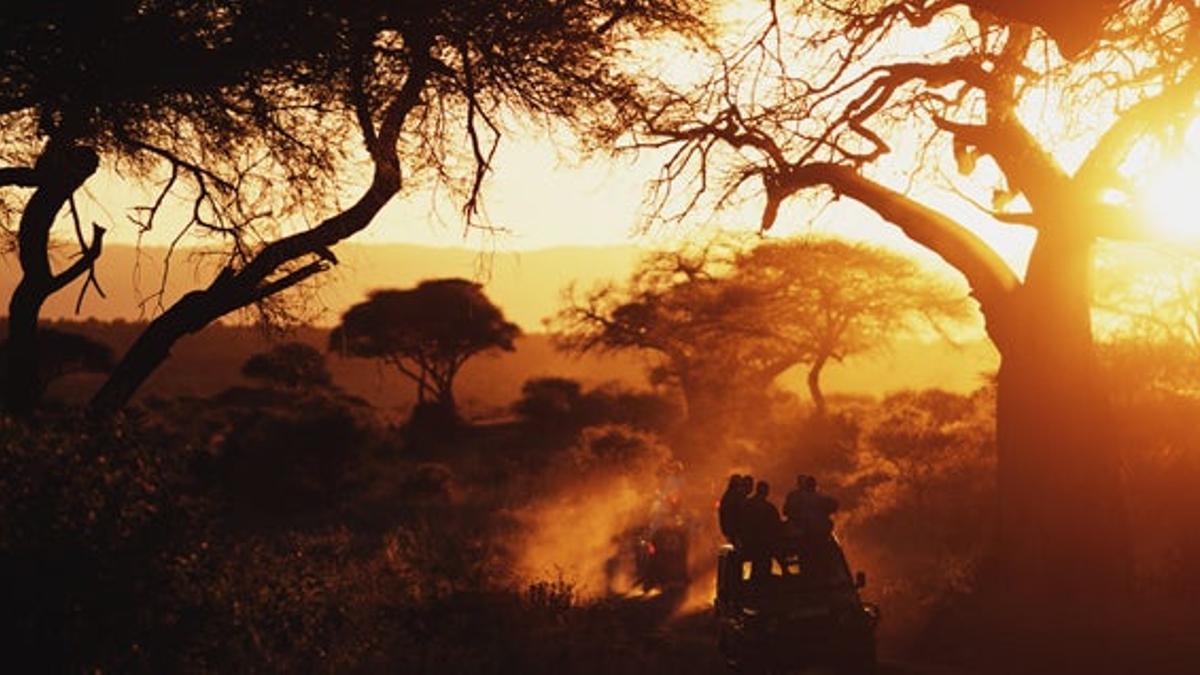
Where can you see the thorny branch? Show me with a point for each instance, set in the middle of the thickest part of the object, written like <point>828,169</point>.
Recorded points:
<point>833,108</point>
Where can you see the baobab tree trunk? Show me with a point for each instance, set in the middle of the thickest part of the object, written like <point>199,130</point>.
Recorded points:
<point>1062,527</point>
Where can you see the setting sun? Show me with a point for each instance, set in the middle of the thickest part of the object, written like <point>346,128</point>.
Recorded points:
<point>1165,180</point>
<point>1164,198</point>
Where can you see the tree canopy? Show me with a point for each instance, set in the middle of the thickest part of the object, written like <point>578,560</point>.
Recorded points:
<point>827,300</point>
<point>247,115</point>
<point>291,365</point>
<point>1023,114</point>
<point>728,322</point>
<point>427,332</point>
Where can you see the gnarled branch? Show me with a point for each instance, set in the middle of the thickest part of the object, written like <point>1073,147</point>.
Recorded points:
<point>990,278</point>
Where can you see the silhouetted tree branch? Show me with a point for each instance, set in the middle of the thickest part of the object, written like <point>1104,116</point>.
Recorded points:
<point>19,176</point>
<point>828,105</point>
<point>243,112</point>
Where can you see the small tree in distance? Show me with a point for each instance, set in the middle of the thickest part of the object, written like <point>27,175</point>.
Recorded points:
<point>291,365</point>
<point>724,321</point>
<point>675,308</point>
<point>827,300</point>
<point>65,353</point>
<point>427,333</point>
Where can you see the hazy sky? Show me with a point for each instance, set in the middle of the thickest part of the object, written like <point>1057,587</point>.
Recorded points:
<point>542,195</point>
<point>545,197</point>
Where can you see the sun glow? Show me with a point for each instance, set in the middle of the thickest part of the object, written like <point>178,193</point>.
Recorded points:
<point>1169,199</point>
<point>1167,183</point>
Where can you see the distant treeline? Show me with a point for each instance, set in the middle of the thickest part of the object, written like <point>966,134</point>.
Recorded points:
<point>211,361</point>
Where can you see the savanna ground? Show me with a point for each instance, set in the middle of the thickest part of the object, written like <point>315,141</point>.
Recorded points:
<point>268,529</point>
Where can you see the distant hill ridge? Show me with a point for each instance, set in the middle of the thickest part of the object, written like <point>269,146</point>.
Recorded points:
<point>528,285</point>
<point>211,361</point>
<point>207,363</point>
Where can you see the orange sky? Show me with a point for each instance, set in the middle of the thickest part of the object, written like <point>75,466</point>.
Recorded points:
<point>544,195</point>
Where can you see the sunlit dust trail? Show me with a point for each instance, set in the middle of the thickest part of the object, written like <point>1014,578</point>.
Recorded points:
<point>583,530</point>
<point>574,534</point>
<point>700,592</point>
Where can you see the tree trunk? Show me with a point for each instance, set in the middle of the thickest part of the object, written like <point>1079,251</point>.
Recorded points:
<point>814,385</point>
<point>1062,530</point>
<point>422,387</point>
<point>268,272</point>
<point>190,314</point>
<point>445,401</point>
<point>61,170</point>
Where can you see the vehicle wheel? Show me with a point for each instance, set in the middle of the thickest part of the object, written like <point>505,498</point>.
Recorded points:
<point>738,661</point>
<point>754,669</point>
<point>863,663</point>
<point>727,646</point>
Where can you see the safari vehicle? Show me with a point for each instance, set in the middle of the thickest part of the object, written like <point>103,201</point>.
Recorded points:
<point>794,621</point>
<point>662,555</point>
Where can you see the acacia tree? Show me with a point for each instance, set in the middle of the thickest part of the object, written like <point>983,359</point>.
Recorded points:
<point>825,300</point>
<point>727,323</point>
<point>675,306</point>
<point>427,333</point>
<point>170,86</point>
<point>835,101</point>
<point>246,115</point>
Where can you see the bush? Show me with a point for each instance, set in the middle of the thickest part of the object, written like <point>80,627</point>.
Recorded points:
<point>99,538</point>
<point>291,365</point>
<point>924,489</point>
<point>559,404</point>
<point>293,456</point>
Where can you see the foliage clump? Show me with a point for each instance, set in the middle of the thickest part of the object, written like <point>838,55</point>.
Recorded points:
<point>427,333</point>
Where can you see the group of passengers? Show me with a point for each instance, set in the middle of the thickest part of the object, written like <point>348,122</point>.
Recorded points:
<point>753,525</point>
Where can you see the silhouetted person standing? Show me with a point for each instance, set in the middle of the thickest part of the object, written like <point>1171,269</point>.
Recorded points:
<point>763,530</point>
<point>810,520</point>
<point>731,508</point>
<point>808,510</point>
<point>794,512</point>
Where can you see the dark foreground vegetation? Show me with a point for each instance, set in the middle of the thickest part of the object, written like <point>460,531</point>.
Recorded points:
<point>276,528</point>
